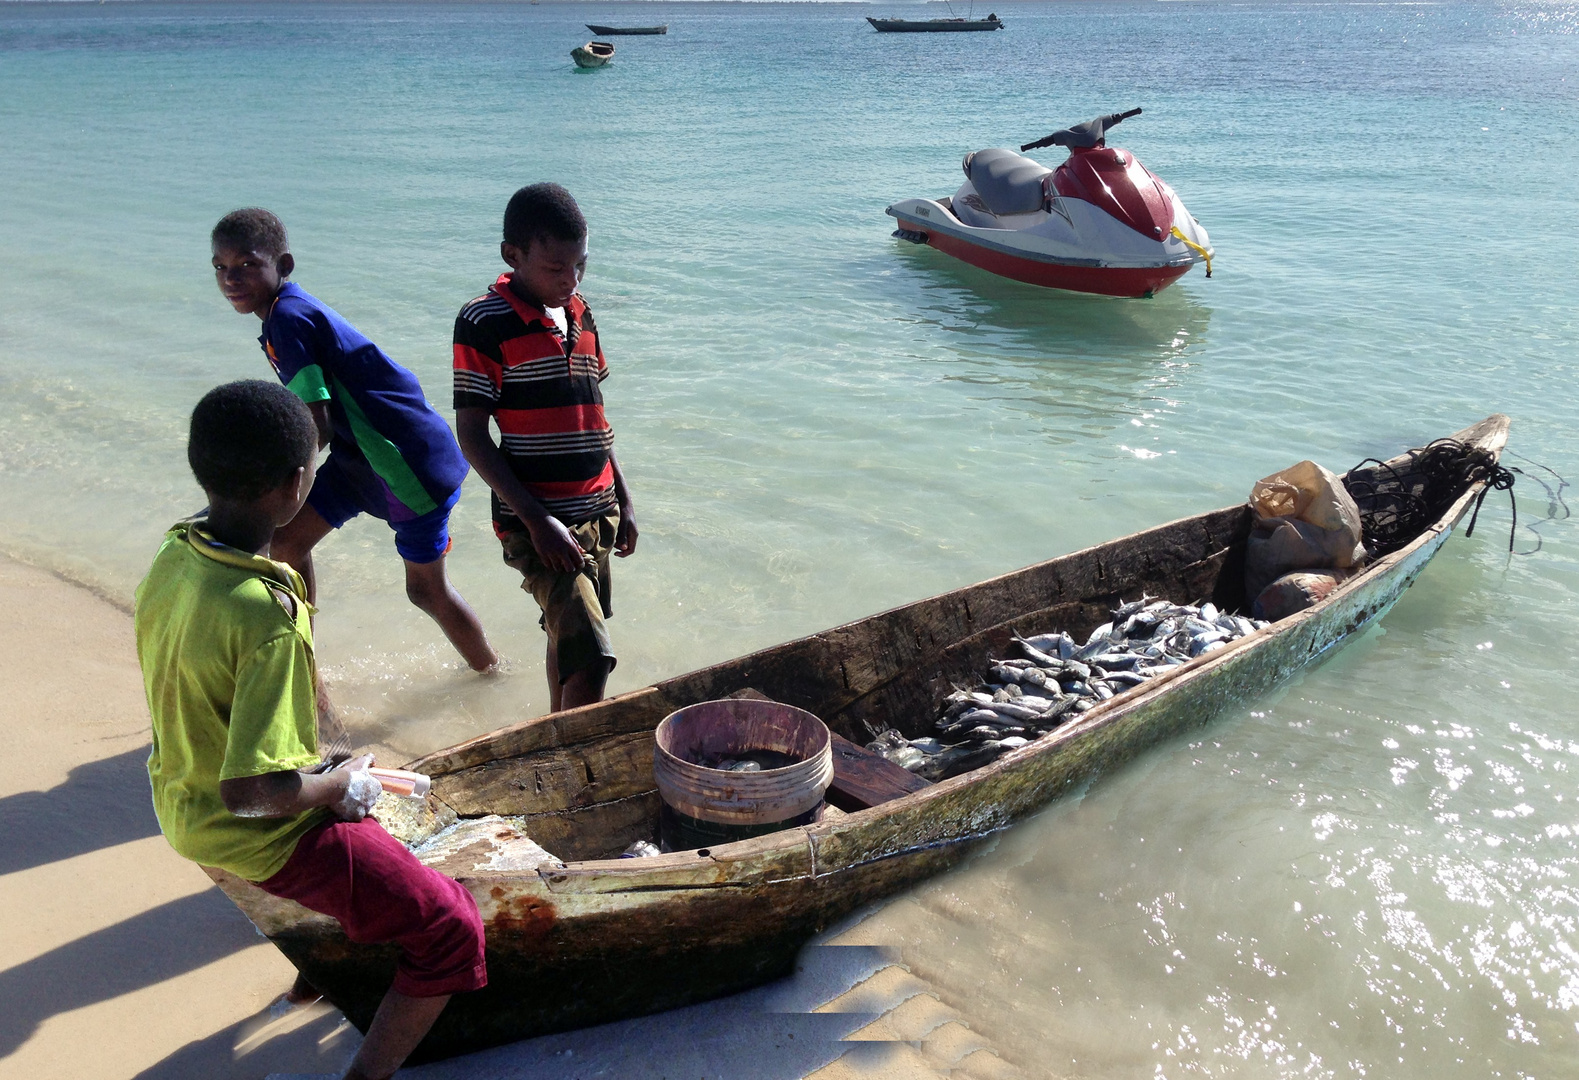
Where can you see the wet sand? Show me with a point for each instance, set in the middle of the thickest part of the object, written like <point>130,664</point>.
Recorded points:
<point>121,959</point>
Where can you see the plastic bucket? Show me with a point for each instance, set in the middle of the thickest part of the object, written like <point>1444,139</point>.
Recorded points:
<point>704,805</point>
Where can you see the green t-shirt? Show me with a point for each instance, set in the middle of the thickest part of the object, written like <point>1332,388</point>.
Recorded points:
<point>225,642</point>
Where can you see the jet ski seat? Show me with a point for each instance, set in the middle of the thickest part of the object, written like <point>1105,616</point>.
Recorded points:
<point>1007,182</point>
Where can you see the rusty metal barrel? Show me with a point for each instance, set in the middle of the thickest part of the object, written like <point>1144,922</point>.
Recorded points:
<point>705,805</point>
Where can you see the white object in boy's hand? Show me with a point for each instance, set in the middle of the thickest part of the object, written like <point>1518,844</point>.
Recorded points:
<point>361,792</point>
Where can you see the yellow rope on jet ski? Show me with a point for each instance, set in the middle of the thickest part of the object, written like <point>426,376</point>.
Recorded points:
<point>1207,255</point>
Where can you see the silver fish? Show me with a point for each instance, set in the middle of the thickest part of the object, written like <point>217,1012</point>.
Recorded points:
<point>1037,655</point>
<point>1058,708</point>
<point>1052,644</point>
<point>974,717</point>
<point>1012,710</point>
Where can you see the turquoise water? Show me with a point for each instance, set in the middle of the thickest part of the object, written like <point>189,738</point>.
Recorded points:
<point>1370,871</point>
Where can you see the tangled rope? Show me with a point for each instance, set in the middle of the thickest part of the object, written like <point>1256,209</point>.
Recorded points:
<point>1397,503</point>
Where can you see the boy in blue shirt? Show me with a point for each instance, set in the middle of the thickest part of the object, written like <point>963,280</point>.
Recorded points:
<point>390,453</point>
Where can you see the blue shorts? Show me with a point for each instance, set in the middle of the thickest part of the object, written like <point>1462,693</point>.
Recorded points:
<point>348,486</point>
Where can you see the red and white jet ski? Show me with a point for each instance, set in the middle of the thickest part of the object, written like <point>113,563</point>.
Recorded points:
<point>1099,223</point>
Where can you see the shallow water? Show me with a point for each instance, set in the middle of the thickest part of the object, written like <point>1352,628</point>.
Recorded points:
<point>1369,870</point>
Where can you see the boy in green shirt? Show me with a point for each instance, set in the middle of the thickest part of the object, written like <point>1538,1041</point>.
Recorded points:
<point>224,637</point>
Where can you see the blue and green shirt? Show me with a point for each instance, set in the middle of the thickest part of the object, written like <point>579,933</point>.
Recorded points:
<point>376,407</point>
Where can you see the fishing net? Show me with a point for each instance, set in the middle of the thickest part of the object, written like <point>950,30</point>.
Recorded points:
<point>1398,501</point>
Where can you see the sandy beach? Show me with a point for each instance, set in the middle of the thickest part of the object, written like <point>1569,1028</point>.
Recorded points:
<point>121,959</point>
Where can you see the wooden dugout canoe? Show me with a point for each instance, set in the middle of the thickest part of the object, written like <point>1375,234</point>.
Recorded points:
<point>934,26</point>
<point>597,938</point>
<point>626,31</point>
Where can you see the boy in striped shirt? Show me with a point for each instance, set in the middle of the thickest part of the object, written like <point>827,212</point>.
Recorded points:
<point>527,358</point>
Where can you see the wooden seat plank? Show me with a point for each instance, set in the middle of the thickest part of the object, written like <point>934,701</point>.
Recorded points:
<point>861,778</point>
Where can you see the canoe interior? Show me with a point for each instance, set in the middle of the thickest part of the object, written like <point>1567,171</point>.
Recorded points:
<point>582,780</point>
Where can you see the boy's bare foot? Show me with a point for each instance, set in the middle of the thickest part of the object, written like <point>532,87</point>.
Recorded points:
<point>302,992</point>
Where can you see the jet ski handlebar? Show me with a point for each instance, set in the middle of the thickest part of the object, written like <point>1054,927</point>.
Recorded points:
<point>1082,136</point>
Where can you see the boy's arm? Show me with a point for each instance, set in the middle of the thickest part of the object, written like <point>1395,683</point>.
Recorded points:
<point>295,349</point>
<point>625,538</point>
<point>320,411</point>
<point>555,546</point>
<point>349,790</point>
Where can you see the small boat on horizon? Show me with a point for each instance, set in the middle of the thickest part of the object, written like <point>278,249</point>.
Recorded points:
<point>934,26</point>
<point>607,31</point>
<point>593,54</point>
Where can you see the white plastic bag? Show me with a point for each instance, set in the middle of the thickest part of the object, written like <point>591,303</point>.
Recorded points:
<point>1305,520</point>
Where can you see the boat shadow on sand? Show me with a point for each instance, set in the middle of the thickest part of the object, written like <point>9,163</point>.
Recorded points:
<point>781,1031</point>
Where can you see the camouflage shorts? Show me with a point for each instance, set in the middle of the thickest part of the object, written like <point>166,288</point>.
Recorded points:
<point>575,606</point>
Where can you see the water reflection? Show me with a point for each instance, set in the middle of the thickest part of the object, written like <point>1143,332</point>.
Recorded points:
<point>1067,366</point>
<point>1048,322</point>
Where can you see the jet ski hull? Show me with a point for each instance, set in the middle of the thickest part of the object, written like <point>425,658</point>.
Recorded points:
<point>1030,256</point>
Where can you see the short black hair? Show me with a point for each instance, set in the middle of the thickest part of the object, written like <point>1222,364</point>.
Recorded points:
<point>248,437</point>
<point>541,211</point>
<point>251,228</point>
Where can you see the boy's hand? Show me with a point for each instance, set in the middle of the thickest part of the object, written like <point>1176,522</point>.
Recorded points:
<point>555,546</point>
<point>361,789</point>
<point>625,536</point>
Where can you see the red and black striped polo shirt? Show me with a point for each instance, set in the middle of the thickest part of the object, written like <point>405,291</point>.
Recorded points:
<point>542,388</point>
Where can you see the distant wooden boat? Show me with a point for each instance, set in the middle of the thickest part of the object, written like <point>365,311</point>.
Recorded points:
<point>595,938</point>
<point>934,26</point>
<point>607,31</point>
<point>592,54</point>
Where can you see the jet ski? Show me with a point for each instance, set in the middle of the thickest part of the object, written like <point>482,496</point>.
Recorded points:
<point>1099,223</point>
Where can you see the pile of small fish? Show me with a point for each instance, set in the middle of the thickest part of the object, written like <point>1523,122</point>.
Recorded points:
<point>1055,679</point>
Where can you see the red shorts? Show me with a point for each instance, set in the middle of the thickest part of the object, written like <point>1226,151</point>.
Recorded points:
<point>359,874</point>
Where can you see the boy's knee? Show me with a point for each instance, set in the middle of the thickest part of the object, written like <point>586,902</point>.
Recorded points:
<point>456,929</point>
<point>425,592</point>
<point>448,954</point>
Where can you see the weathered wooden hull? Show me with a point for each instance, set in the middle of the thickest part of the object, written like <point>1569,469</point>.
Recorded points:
<point>627,31</point>
<point>586,56</point>
<point>602,939</point>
